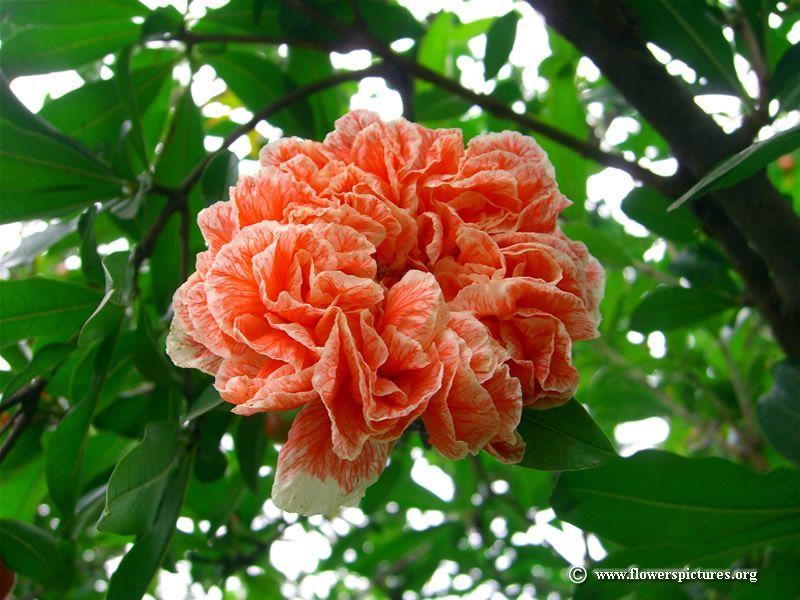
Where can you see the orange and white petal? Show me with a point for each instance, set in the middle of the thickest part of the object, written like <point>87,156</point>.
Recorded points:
<point>342,380</point>
<point>415,306</point>
<point>524,296</point>
<point>346,291</point>
<point>311,478</point>
<point>506,452</point>
<point>231,286</point>
<point>284,389</point>
<point>340,141</point>
<point>257,333</point>
<point>188,353</point>
<point>219,225</point>
<point>268,195</point>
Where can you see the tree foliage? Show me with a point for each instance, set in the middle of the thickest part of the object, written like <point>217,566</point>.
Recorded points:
<point>105,445</point>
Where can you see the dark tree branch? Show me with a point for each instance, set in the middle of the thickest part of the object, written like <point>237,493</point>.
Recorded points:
<point>28,397</point>
<point>758,230</point>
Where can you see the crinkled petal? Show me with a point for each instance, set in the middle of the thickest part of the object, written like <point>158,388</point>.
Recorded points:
<point>313,479</point>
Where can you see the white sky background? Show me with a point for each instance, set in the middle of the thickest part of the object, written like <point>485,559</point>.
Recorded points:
<point>299,551</point>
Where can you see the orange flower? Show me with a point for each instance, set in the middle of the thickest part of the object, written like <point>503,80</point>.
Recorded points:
<point>384,276</point>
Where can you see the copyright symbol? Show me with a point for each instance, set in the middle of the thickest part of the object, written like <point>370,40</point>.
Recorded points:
<point>577,574</point>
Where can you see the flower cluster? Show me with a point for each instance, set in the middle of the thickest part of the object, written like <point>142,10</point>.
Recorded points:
<point>384,276</point>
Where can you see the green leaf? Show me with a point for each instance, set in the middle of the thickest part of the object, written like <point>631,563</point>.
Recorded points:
<point>43,48</point>
<point>672,307</point>
<point>211,462</point>
<point>38,307</point>
<point>562,107</point>
<point>109,314</point>
<point>307,65</point>
<point>435,48</point>
<point>221,173</point>
<point>257,82</point>
<point>35,553</point>
<point>66,446</point>
<point>689,32</point>
<point>648,207</point>
<point>138,482</point>
<point>207,401</point>
<point>183,150</point>
<point>94,113</point>
<point>499,42</point>
<point>742,165</point>
<point>389,21</point>
<point>163,20</point>
<point>436,104</point>
<point>43,361</point>
<point>91,265</point>
<point>42,172</point>
<point>785,84</point>
<point>704,267</point>
<point>779,411</point>
<point>563,438</point>
<point>250,442</point>
<point>24,485</point>
<point>655,498</point>
<point>138,567</point>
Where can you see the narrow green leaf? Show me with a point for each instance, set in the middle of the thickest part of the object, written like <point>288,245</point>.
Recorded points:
<point>779,411</point>
<point>35,553</point>
<point>742,165</point>
<point>250,442</point>
<point>131,111</point>
<point>111,310</point>
<point>207,401</point>
<point>91,265</point>
<point>657,498</point>
<point>563,438</point>
<point>672,307</point>
<point>138,482</point>
<point>499,42</point>
<point>38,307</point>
<point>435,48</point>
<point>138,567</point>
<point>66,446</point>
<point>648,207</point>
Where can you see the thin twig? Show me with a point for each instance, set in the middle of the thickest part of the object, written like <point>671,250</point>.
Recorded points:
<point>30,399</point>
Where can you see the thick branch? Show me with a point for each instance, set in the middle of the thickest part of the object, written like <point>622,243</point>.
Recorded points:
<point>177,197</point>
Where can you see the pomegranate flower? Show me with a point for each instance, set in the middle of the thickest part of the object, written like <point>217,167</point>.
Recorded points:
<point>385,276</point>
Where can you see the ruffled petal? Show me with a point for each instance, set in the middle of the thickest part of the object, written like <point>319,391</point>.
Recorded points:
<point>311,478</point>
